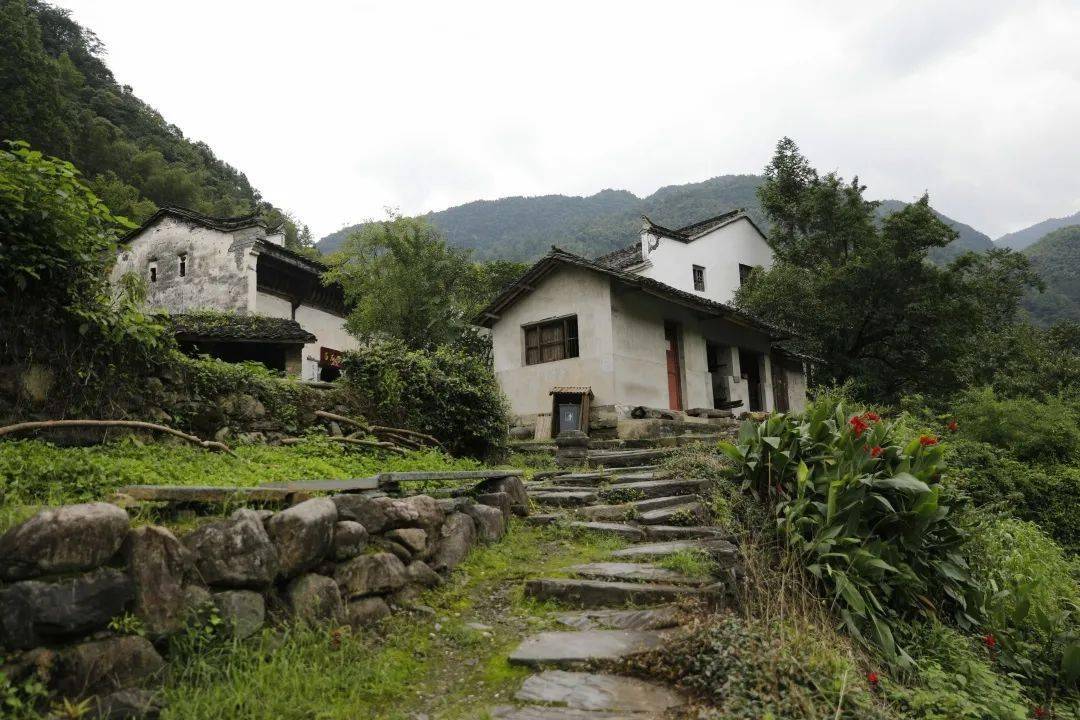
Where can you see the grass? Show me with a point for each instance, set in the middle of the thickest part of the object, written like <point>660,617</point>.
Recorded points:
<point>693,563</point>
<point>434,664</point>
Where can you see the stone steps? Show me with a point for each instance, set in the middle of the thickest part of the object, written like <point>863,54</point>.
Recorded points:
<point>659,617</point>
<point>601,593</point>
<point>674,514</point>
<point>679,532</point>
<point>634,572</point>
<point>564,498</point>
<point>570,649</point>
<point>623,530</point>
<point>541,712</point>
<point>721,550</point>
<point>633,508</point>
<point>623,458</point>
<point>647,489</point>
<point>589,691</point>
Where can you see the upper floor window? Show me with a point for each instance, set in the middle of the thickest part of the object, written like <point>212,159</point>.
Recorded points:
<point>553,340</point>
<point>183,264</point>
<point>744,273</point>
<point>699,278</point>
<point>153,270</point>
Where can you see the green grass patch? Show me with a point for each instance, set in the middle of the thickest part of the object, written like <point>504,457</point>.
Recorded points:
<point>694,563</point>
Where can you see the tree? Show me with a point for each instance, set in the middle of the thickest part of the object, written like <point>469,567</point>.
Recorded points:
<point>405,282</point>
<point>862,295</point>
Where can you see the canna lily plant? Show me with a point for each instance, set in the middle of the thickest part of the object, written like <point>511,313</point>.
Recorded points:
<point>865,516</point>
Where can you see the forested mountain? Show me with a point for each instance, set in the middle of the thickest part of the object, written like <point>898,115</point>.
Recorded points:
<point>523,228</point>
<point>57,93</point>
<point>1056,257</point>
<point>1028,236</point>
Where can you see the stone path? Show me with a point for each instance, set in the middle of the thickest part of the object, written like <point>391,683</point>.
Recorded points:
<point>616,608</point>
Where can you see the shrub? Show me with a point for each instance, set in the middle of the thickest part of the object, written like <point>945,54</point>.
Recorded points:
<point>443,391</point>
<point>866,516</point>
<point>1027,428</point>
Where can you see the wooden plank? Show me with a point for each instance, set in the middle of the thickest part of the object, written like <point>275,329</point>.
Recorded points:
<point>205,493</point>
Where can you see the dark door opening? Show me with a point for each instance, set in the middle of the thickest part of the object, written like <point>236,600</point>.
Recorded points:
<point>674,374</point>
<point>780,386</point>
<point>750,367</point>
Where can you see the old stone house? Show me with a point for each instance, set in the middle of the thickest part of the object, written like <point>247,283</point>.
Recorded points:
<point>270,303</point>
<point>645,326</point>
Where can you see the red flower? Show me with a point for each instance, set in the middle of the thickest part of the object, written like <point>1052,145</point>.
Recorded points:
<point>872,678</point>
<point>875,451</point>
<point>989,640</point>
<point>1040,712</point>
<point>858,425</point>
<point>953,426</point>
<point>927,440</point>
<point>871,416</point>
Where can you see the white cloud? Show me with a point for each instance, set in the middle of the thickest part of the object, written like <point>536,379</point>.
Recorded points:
<point>338,109</point>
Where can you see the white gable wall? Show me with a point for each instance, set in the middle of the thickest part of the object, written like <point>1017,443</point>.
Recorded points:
<point>327,327</point>
<point>720,252</point>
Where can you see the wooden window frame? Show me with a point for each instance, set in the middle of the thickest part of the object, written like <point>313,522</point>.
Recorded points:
<point>744,273</point>
<point>698,274</point>
<point>551,340</point>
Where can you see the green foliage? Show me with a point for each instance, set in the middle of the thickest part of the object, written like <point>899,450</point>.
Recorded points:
<point>865,514</point>
<point>443,391</point>
<point>1056,257</point>
<point>404,282</point>
<point>861,292</point>
<point>1031,430</point>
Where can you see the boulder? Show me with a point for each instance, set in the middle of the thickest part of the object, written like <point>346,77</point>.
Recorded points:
<point>429,514</point>
<point>234,553</point>
<point>499,500</point>
<point>71,538</point>
<point>314,598</point>
<point>157,563</point>
<point>456,538</point>
<point>34,611</point>
<point>420,573</point>
<point>109,664</point>
<point>370,574</point>
<point>490,522</point>
<point>360,613</point>
<point>572,439</point>
<point>399,551</point>
<point>129,704</point>
<point>302,535</point>
<point>372,513</point>
<point>455,504</point>
<point>412,539</point>
<point>350,538</point>
<point>243,611</point>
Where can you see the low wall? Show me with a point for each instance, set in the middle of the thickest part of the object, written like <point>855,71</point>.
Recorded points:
<point>74,579</point>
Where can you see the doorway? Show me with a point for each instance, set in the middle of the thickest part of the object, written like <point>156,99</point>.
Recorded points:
<point>674,373</point>
<point>750,368</point>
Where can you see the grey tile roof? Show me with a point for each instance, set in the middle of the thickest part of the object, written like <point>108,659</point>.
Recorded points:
<point>622,258</point>
<point>238,328</point>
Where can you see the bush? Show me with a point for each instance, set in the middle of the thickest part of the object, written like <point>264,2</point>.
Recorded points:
<point>1028,429</point>
<point>443,391</point>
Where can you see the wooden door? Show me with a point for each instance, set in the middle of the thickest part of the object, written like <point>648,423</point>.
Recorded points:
<point>671,340</point>
<point>780,387</point>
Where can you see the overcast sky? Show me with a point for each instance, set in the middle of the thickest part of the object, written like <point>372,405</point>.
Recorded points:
<point>336,110</point>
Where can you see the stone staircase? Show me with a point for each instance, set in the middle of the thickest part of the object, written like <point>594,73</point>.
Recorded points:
<point>620,607</point>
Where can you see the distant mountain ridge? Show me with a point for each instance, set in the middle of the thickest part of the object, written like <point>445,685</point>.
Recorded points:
<point>524,228</point>
<point>1027,237</point>
<point>1056,257</point>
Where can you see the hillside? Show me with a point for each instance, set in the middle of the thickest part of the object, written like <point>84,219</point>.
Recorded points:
<point>523,228</point>
<point>1022,239</point>
<point>1056,257</point>
<point>62,98</point>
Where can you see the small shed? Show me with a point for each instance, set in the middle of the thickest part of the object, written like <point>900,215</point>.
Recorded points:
<point>570,408</point>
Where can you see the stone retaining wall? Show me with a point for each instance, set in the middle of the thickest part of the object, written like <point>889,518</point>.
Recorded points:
<point>71,579</point>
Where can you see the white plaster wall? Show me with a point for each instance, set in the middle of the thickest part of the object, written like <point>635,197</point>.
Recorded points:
<point>719,252</point>
<point>565,291</point>
<point>272,306</point>
<point>331,333</point>
<point>796,383</point>
<point>220,273</point>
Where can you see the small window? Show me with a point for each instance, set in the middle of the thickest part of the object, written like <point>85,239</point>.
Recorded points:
<point>699,278</point>
<point>744,273</point>
<point>183,264</point>
<point>550,341</point>
<point>153,271</point>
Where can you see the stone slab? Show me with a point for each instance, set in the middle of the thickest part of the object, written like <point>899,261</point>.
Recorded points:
<point>634,572</point>
<point>629,532</point>
<point>572,648</point>
<point>541,712</point>
<point>600,593</point>
<point>672,514</point>
<point>647,489</point>
<point>654,618</point>
<point>590,691</point>
<point>627,509</point>
<point>678,532</point>
<point>725,554</point>
<point>564,498</point>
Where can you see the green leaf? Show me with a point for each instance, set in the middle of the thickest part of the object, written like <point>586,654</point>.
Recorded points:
<point>1070,663</point>
<point>903,481</point>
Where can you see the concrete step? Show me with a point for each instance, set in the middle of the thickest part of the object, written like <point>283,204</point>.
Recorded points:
<point>589,691</point>
<point>621,511</point>
<point>542,712</point>
<point>555,487</point>
<point>608,472</point>
<point>685,514</point>
<point>575,648</point>
<point>564,498</point>
<point>646,489</point>
<point>678,532</point>
<point>599,593</point>
<point>725,554</point>
<point>654,618</point>
<point>629,532</point>
<point>634,572</point>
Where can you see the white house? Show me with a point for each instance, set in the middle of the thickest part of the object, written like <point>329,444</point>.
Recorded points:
<point>648,325</point>
<point>280,313</point>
